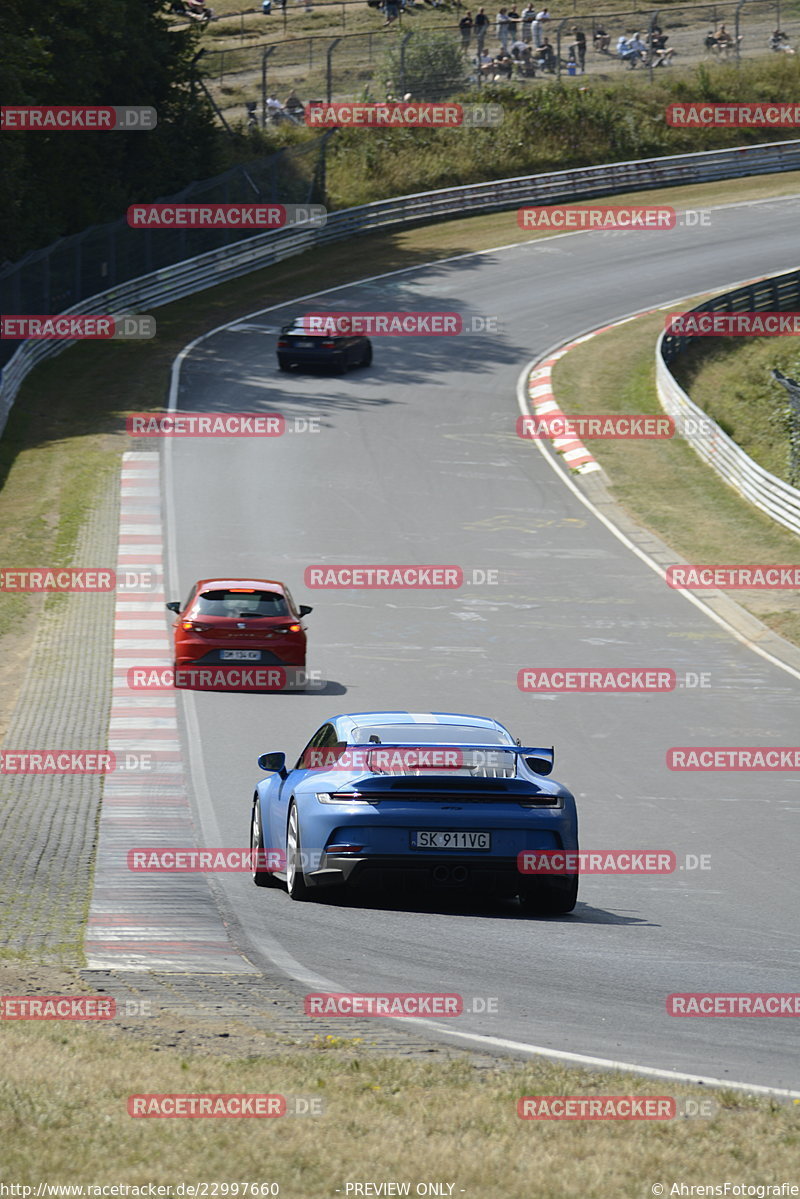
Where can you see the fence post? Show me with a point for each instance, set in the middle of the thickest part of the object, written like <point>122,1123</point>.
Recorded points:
<point>406,39</point>
<point>736,30</point>
<point>558,47</point>
<point>650,54</point>
<point>264,57</point>
<point>331,49</point>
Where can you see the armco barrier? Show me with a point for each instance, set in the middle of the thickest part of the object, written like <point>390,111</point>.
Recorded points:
<point>231,262</point>
<point>778,499</point>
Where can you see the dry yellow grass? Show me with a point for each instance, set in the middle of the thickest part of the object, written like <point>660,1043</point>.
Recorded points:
<point>63,1118</point>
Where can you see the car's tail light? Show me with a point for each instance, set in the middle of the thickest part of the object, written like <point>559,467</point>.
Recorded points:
<point>283,344</point>
<point>193,626</point>
<point>328,344</point>
<point>294,628</point>
<point>344,797</point>
<point>344,848</point>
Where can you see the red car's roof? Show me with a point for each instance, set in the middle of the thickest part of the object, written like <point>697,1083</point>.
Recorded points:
<point>227,584</point>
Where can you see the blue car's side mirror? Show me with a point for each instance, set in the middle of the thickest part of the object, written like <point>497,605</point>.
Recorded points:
<point>274,763</point>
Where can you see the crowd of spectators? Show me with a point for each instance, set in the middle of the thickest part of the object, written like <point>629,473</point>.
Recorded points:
<point>525,47</point>
<point>648,51</point>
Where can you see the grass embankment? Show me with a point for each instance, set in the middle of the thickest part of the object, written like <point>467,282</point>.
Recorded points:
<point>731,379</point>
<point>664,485</point>
<point>578,122</point>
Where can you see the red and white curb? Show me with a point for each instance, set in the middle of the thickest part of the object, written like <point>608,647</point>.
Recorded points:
<point>141,921</point>
<point>543,403</point>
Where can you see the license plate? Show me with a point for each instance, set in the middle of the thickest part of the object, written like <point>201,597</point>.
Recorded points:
<point>450,839</point>
<point>241,655</point>
<point>303,343</point>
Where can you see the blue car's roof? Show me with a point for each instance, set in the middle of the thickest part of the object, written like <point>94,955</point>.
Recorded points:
<point>347,721</point>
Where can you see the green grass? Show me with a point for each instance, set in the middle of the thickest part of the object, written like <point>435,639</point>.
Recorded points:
<point>730,378</point>
<point>664,485</point>
<point>554,128</point>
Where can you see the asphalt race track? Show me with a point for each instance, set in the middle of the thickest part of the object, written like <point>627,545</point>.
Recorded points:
<point>417,461</point>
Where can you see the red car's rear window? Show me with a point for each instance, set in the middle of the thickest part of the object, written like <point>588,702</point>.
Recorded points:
<point>241,603</point>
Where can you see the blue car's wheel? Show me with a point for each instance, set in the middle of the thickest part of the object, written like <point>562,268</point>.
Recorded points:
<point>261,878</point>
<point>295,879</point>
<point>550,896</point>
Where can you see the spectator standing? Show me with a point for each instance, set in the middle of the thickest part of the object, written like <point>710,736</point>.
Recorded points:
<point>501,28</point>
<point>465,25</point>
<point>579,46</point>
<point>513,19</point>
<point>537,30</point>
<point>481,25</point>
<point>528,15</point>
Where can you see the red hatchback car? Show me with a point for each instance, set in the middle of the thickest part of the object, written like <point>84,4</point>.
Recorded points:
<point>240,620</point>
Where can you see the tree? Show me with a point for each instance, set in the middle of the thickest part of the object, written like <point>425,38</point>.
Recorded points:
<point>114,52</point>
<point>432,67</point>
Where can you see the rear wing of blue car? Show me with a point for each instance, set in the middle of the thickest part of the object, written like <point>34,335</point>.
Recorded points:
<point>437,759</point>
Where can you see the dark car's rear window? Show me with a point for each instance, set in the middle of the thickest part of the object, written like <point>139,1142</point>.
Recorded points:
<point>299,330</point>
<point>241,603</point>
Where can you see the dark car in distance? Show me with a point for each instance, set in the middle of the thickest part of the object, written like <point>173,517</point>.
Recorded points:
<point>304,344</point>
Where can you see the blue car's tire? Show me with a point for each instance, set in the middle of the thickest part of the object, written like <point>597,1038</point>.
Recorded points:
<point>550,896</point>
<point>296,884</point>
<point>261,878</point>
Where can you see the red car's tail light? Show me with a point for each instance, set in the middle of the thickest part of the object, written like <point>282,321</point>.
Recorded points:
<point>193,626</point>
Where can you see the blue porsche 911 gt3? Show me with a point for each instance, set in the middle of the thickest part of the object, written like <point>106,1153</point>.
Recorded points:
<point>431,797</point>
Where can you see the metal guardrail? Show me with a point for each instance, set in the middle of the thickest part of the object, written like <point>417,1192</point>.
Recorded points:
<point>231,262</point>
<point>778,499</point>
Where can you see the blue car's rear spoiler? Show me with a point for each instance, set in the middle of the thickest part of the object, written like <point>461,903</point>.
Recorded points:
<point>539,759</point>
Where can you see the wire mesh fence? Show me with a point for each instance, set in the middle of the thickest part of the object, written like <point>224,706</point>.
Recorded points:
<point>74,268</point>
<point>368,65</point>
